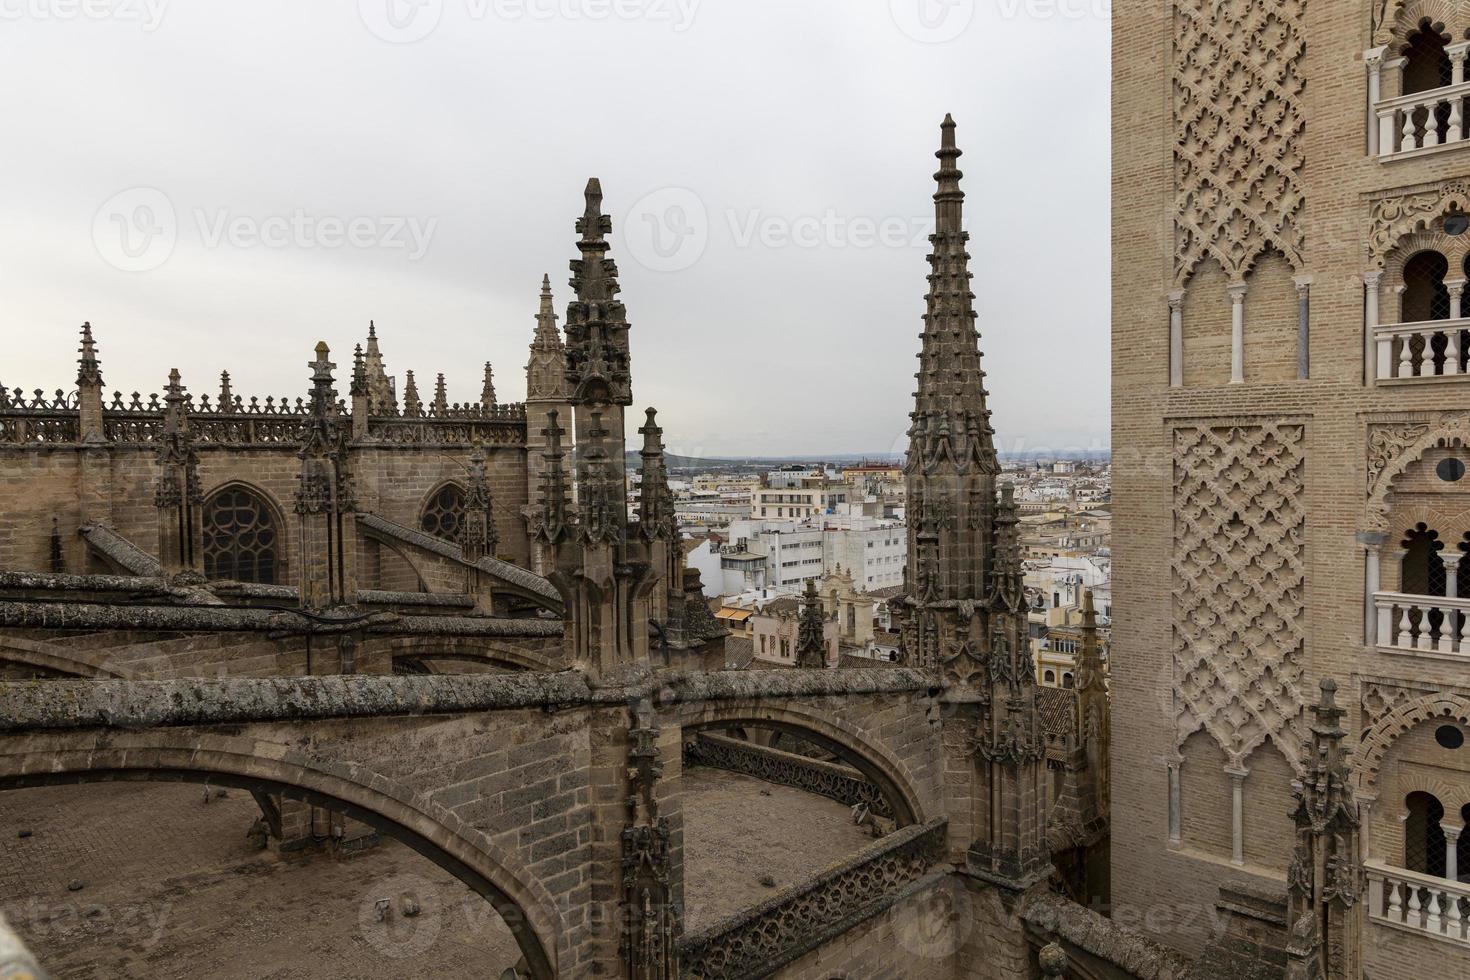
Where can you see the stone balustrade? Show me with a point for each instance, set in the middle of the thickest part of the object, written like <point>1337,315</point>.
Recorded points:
<point>1425,349</point>
<point>1423,120</point>
<point>1423,624</point>
<point>759,940</point>
<point>1418,902</point>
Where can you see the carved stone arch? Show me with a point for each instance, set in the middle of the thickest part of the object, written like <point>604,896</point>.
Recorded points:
<point>523,902</point>
<point>225,550</point>
<point>1452,525</point>
<point>837,736</point>
<point>1392,449</point>
<point>1401,19</point>
<point>1453,798</point>
<point>441,512</point>
<point>1381,736</point>
<point>1396,217</point>
<point>1454,250</point>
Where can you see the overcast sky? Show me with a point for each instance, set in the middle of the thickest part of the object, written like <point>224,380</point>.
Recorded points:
<point>219,186</point>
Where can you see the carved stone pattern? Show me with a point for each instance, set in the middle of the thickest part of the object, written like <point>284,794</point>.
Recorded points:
<point>1395,217</point>
<point>1239,122</point>
<point>840,783</point>
<point>756,942</point>
<point>1238,581</point>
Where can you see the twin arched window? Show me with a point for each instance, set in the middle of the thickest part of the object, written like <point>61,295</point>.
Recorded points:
<point>241,540</point>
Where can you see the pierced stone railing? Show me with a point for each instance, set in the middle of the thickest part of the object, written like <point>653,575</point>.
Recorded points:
<point>836,782</point>
<point>1424,349</point>
<point>760,940</point>
<point>1418,902</point>
<point>1422,121</point>
<point>1423,624</point>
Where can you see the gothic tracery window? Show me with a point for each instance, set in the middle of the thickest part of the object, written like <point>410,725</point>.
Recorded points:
<point>240,537</point>
<point>444,513</point>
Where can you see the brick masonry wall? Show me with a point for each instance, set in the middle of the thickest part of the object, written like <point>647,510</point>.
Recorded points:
<point>1169,892</point>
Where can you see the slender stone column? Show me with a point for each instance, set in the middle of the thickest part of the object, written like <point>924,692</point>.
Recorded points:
<point>1384,356</point>
<point>1237,814</point>
<point>1451,850</point>
<point>1372,542</point>
<point>1176,338</point>
<point>1373,59</point>
<point>1175,835</point>
<point>1237,332</point>
<point>1303,326</point>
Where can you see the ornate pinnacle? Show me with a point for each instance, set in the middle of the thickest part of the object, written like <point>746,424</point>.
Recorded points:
<point>1089,660</point>
<point>548,337</point>
<point>551,523</point>
<point>412,407</point>
<point>593,224</point>
<point>655,502</point>
<point>948,176</point>
<point>359,373</point>
<point>89,369</point>
<point>811,640</point>
<point>323,395</point>
<point>372,337</point>
<point>487,391</point>
<point>226,396</point>
<point>441,400</point>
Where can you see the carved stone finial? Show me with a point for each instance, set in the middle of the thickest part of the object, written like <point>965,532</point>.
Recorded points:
<point>412,407</point>
<point>89,369</point>
<point>487,390</point>
<point>1053,960</point>
<point>441,398</point>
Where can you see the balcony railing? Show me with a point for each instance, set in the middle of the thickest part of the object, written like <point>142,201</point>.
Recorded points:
<point>1422,120</point>
<point>1418,902</point>
<point>1426,349</point>
<point>1423,624</point>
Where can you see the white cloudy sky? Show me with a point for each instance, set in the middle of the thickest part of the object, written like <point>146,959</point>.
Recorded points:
<point>767,164</point>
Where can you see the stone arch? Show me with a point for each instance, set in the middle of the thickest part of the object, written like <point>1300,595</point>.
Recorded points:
<point>1401,18</point>
<point>1395,218</point>
<point>1434,239</point>
<point>1393,450</point>
<point>52,658</point>
<point>433,831</point>
<point>1451,796</point>
<point>271,510</point>
<point>837,736</point>
<point>1381,736</point>
<point>476,649</point>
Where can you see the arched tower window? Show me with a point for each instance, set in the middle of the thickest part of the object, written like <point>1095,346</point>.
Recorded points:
<point>1422,570</point>
<point>1425,294</point>
<point>1427,63</point>
<point>444,513</point>
<point>240,537</point>
<point>1423,836</point>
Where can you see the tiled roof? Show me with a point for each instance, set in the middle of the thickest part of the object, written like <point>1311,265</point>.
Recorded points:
<point>1058,708</point>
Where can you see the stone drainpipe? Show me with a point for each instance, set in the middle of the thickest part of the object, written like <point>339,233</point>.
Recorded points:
<point>16,962</point>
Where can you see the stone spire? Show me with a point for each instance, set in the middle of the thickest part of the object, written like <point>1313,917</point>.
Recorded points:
<point>811,638</point>
<point>951,466</point>
<point>324,499</point>
<point>359,374</point>
<point>226,395</point>
<point>1090,671</point>
<point>551,524</point>
<point>655,499</point>
<point>597,327</point>
<point>412,407</point>
<point>546,370</point>
<point>487,390</point>
<point>89,391</point>
<point>951,423</point>
<point>89,369</point>
<point>176,492</point>
<point>1325,880</point>
<point>441,397</point>
<point>379,385</point>
<point>477,532</point>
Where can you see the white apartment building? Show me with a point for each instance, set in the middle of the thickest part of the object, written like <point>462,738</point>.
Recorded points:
<point>781,555</point>
<point>798,503</point>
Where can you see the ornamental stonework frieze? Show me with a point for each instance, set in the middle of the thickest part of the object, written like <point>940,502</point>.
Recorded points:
<point>1397,215</point>
<point>1239,122</point>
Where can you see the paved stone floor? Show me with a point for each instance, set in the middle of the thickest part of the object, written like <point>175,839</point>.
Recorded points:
<point>172,889</point>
